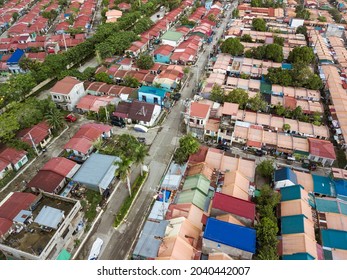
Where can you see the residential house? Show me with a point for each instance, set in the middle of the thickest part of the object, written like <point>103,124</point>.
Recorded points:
<point>37,136</point>
<point>197,117</point>
<point>187,210</point>
<point>11,159</point>
<point>13,62</point>
<point>321,151</point>
<point>152,95</point>
<point>243,211</point>
<point>98,172</point>
<point>147,246</point>
<point>239,242</point>
<point>169,79</point>
<point>236,184</point>
<point>42,225</point>
<point>113,15</point>
<point>335,247</point>
<point>67,92</point>
<point>81,144</point>
<point>93,103</point>
<point>284,177</point>
<point>172,38</point>
<point>163,53</point>
<point>298,246</point>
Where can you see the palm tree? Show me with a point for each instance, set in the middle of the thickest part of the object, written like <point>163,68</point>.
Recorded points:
<point>140,155</point>
<point>123,171</point>
<point>54,118</point>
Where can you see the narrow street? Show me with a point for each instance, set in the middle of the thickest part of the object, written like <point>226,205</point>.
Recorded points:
<point>119,242</point>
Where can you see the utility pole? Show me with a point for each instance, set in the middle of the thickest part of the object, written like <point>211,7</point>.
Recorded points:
<point>32,141</point>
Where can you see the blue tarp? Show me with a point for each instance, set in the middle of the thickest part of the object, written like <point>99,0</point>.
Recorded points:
<point>287,66</point>
<point>163,194</point>
<point>236,236</point>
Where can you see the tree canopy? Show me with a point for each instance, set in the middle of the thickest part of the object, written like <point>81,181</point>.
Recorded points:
<point>239,96</point>
<point>266,168</point>
<point>257,103</point>
<point>259,24</point>
<point>302,29</point>
<point>188,146</point>
<point>302,54</point>
<point>232,46</point>
<point>145,61</point>
<point>302,13</point>
<point>271,51</point>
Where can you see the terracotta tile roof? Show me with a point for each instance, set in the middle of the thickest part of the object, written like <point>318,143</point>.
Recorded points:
<point>321,148</point>
<point>5,225</point>
<point>199,156</point>
<point>65,85</point>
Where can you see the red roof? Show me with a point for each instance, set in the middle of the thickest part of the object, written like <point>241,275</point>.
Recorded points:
<point>15,203</point>
<point>199,110</point>
<point>255,144</point>
<point>37,132</point>
<point>5,225</point>
<point>233,205</point>
<point>321,148</point>
<point>59,165</point>
<point>164,50</point>
<point>199,156</point>
<point>81,145</point>
<point>12,155</point>
<point>46,180</point>
<point>65,85</point>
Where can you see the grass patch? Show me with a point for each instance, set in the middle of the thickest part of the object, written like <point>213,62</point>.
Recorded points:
<point>127,202</point>
<point>7,178</point>
<point>162,118</point>
<point>92,200</point>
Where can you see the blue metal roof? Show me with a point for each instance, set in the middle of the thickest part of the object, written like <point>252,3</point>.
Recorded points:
<point>341,187</point>
<point>291,192</point>
<point>323,185</point>
<point>97,172</point>
<point>153,90</point>
<point>285,174</point>
<point>293,224</point>
<point>327,205</point>
<point>15,57</point>
<point>334,239</point>
<point>150,239</point>
<point>298,257</point>
<point>240,237</point>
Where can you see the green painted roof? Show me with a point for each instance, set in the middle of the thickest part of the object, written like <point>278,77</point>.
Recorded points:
<point>334,239</point>
<point>265,87</point>
<point>327,205</point>
<point>64,255</point>
<point>172,36</point>
<point>298,257</point>
<point>197,182</point>
<point>192,196</point>
<point>293,224</point>
<point>291,192</point>
<point>323,185</point>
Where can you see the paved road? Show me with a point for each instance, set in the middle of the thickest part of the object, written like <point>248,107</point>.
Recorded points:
<point>119,242</point>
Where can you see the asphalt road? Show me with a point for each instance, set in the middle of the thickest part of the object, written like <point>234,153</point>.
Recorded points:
<point>119,242</point>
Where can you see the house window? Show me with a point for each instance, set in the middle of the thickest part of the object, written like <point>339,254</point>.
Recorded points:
<point>144,98</point>
<point>155,100</point>
<point>208,131</point>
<point>56,97</point>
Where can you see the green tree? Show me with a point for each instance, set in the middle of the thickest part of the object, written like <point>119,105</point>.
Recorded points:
<point>239,96</point>
<point>302,29</point>
<point>123,171</point>
<point>246,38</point>
<point>256,3</point>
<point>9,126</point>
<point>268,197</point>
<point>302,13</point>
<point>55,118</point>
<point>145,62</point>
<point>267,239</point>
<point>336,15</point>
<point>130,81</point>
<point>322,19</point>
<point>140,155</point>
<point>265,168</point>
<point>212,17</point>
<point>232,46</point>
<point>297,113</point>
<point>274,52</point>
<point>217,94</point>
<point>259,24</point>
<point>15,16</point>
<point>257,103</point>
<point>103,77</point>
<point>188,146</point>
<point>314,82</point>
<point>279,40</point>
<point>301,55</point>
<point>235,13</point>
<point>286,127</point>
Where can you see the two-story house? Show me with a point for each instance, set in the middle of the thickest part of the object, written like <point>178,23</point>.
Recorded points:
<point>67,92</point>
<point>197,118</point>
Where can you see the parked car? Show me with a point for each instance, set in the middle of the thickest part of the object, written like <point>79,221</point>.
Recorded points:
<point>308,165</point>
<point>117,121</point>
<point>259,153</point>
<point>176,96</point>
<point>223,147</point>
<point>70,118</point>
<point>141,140</point>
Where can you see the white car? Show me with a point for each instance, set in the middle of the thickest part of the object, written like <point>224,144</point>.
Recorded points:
<point>96,248</point>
